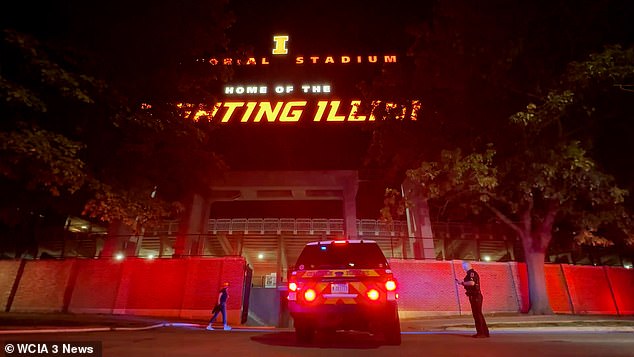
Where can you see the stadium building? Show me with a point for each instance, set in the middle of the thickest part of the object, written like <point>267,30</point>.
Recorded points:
<point>293,125</point>
<point>294,128</point>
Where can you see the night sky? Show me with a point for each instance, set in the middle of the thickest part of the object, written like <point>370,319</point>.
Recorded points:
<point>129,40</point>
<point>315,28</point>
<point>328,26</point>
<point>135,39</point>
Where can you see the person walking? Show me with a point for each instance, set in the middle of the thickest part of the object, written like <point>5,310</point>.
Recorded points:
<point>221,308</point>
<point>471,284</point>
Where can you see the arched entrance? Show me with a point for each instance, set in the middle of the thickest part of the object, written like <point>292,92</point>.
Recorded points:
<point>270,247</point>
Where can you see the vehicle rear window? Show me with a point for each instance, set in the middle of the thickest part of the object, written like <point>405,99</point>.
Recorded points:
<point>342,256</point>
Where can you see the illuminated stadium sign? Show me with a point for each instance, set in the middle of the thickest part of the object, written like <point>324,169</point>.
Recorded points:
<point>251,61</point>
<point>230,90</point>
<point>294,111</point>
<point>280,48</point>
<point>299,102</point>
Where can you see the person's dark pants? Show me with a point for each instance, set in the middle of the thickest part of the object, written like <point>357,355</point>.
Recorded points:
<point>476,308</point>
<point>223,311</point>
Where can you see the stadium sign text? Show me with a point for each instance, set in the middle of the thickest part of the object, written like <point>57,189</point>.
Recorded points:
<point>295,111</point>
<point>280,49</point>
<point>230,90</point>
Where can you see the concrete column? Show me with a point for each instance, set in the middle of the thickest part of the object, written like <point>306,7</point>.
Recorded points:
<point>419,222</point>
<point>192,227</point>
<point>427,236</point>
<point>118,236</point>
<point>350,189</point>
<point>407,248</point>
<point>164,246</point>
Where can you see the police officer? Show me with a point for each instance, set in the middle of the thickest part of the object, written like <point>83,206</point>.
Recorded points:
<point>471,284</point>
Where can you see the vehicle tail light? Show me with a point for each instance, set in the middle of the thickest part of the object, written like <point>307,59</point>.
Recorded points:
<point>310,295</point>
<point>390,286</point>
<point>292,286</point>
<point>373,295</point>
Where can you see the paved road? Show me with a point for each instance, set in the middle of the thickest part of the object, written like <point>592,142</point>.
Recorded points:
<point>193,341</point>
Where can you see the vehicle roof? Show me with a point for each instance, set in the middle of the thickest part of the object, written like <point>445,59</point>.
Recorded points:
<point>354,241</point>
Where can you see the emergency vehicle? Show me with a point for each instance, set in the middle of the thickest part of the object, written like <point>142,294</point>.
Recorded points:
<point>343,285</point>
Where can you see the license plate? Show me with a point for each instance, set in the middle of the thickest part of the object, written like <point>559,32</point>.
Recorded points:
<point>339,288</point>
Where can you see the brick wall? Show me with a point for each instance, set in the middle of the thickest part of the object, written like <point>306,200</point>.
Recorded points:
<point>519,274</point>
<point>203,282</point>
<point>622,284</point>
<point>557,289</point>
<point>179,287</point>
<point>42,287</point>
<point>96,286</point>
<point>425,286</point>
<point>159,287</point>
<point>189,287</point>
<point>154,285</point>
<point>589,290</point>
<point>8,272</point>
<point>497,284</point>
<point>428,288</point>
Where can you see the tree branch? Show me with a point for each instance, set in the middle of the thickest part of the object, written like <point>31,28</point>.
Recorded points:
<point>625,87</point>
<point>504,219</point>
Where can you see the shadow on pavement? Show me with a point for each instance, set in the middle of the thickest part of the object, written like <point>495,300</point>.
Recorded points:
<point>350,340</point>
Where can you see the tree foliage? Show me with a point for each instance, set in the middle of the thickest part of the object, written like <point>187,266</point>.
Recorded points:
<point>43,159</point>
<point>475,63</point>
<point>35,155</point>
<point>548,174</point>
<point>76,137</point>
<point>559,161</point>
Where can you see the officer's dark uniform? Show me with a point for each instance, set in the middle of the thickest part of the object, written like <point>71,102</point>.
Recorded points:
<point>475,299</point>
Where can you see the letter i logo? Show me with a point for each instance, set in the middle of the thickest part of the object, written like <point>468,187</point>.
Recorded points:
<point>281,42</point>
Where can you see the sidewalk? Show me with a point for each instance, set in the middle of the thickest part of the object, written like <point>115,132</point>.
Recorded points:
<point>26,323</point>
<point>59,322</point>
<point>17,323</point>
<point>523,322</point>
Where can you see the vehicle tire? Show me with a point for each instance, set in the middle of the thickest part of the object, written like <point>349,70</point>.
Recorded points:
<point>304,333</point>
<point>392,332</point>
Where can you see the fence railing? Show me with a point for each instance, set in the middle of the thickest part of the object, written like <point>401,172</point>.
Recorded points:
<point>492,242</point>
<point>316,226</point>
